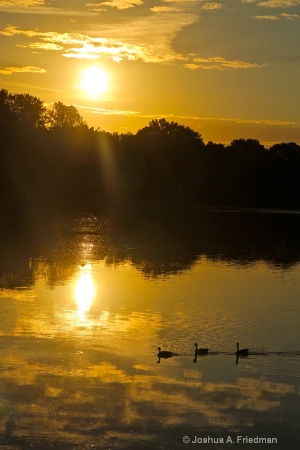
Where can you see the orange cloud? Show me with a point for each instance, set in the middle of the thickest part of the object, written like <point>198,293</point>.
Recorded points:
<point>279,3</point>
<point>211,5</point>
<point>25,69</point>
<point>11,30</point>
<point>21,3</point>
<point>122,4</point>
<point>219,63</point>
<point>148,39</point>
<point>289,16</point>
<point>42,46</point>
<point>163,9</point>
<point>266,17</point>
<point>279,16</point>
<point>107,111</point>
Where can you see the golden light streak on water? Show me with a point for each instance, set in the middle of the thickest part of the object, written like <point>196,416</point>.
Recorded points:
<point>84,290</point>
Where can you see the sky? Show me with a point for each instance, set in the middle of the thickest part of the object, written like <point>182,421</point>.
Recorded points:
<point>229,69</point>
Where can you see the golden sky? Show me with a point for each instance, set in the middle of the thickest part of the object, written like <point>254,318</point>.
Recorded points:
<point>229,69</point>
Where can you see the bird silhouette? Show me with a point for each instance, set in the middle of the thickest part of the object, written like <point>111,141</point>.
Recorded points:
<point>201,351</point>
<point>242,351</point>
<point>164,354</point>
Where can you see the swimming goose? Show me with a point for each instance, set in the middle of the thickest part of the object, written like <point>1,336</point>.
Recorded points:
<point>242,351</point>
<point>164,354</point>
<point>200,351</point>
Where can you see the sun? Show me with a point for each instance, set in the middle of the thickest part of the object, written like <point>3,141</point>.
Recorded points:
<point>94,81</point>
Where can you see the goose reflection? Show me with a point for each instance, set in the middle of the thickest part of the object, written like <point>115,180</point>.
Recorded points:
<point>84,289</point>
<point>240,352</point>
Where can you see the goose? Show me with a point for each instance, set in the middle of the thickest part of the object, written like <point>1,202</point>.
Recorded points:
<point>200,351</point>
<point>242,351</point>
<point>164,354</point>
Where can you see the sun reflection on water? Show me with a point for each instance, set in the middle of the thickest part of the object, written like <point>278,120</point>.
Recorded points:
<point>84,289</point>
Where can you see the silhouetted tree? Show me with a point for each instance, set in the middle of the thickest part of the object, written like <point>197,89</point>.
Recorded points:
<point>211,146</point>
<point>29,110</point>
<point>5,108</point>
<point>246,145</point>
<point>21,111</point>
<point>62,116</point>
<point>286,151</point>
<point>161,127</point>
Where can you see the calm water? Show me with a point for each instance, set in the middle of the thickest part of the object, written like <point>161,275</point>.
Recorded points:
<point>84,306</point>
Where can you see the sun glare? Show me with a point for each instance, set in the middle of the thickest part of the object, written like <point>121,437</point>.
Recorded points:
<point>94,81</point>
<point>84,290</point>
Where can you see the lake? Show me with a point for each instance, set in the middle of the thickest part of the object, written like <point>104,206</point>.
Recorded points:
<point>86,302</point>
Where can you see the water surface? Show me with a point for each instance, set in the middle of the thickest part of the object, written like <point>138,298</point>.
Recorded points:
<point>84,308</point>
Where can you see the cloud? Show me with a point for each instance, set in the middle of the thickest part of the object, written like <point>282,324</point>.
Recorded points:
<point>25,69</point>
<point>219,63</point>
<point>278,3</point>
<point>236,64</point>
<point>11,30</point>
<point>117,51</point>
<point>274,3</point>
<point>192,66</point>
<point>42,46</point>
<point>39,7</point>
<point>196,2</point>
<point>21,3</point>
<point>211,5</point>
<point>96,7</point>
<point>85,46</point>
<point>107,111</point>
<point>145,38</point>
<point>122,4</point>
<point>289,16</point>
<point>153,35</point>
<point>279,16</point>
<point>163,9</point>
<point>266,17</point>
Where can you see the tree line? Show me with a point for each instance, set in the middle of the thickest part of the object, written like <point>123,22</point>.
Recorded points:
<point>51,161</point>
